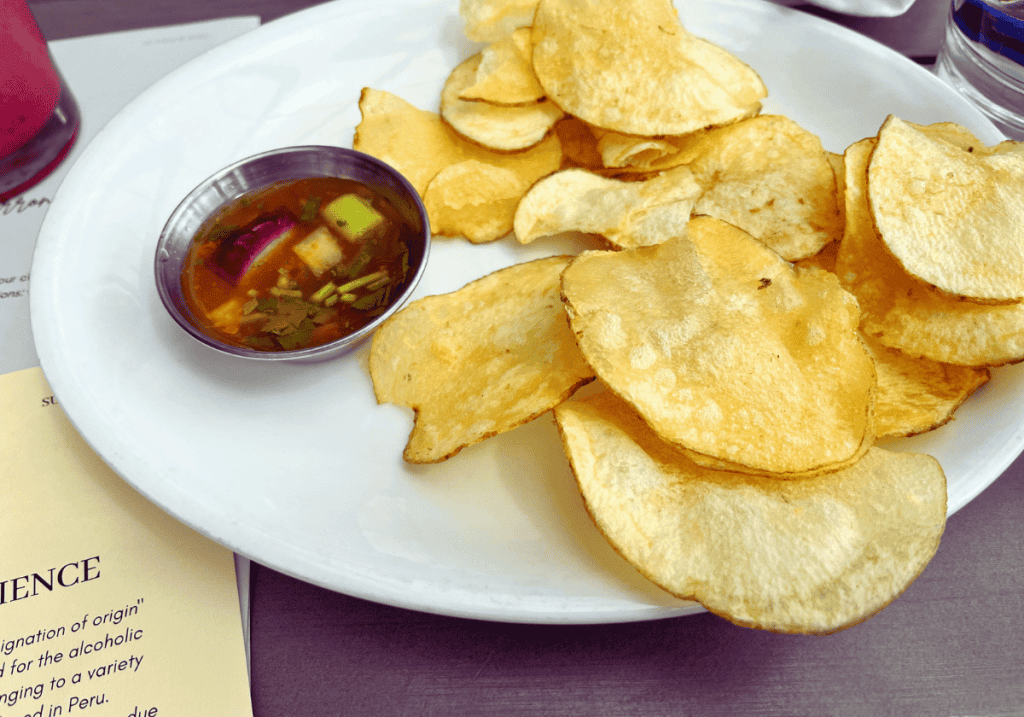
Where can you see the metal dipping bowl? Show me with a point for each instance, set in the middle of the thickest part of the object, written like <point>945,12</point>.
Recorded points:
<point>260,171</point>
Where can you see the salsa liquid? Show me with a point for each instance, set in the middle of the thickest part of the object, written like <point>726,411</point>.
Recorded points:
<point>280,302</point>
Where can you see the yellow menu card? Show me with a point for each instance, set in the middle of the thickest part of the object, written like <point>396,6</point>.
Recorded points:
<point>108,606</point>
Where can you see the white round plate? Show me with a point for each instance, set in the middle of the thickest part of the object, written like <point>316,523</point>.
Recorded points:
<point>297,467</point>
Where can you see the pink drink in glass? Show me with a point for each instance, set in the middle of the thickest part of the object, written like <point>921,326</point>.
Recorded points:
<point>38,115</point>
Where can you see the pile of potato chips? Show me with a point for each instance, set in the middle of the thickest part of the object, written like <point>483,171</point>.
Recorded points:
<point>762,312</point>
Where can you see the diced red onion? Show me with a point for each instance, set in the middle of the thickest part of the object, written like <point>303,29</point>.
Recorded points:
<point>242,248</point>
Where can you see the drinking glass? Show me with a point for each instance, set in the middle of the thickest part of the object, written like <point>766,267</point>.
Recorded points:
<point>38,114</point>
<point>983,57</point>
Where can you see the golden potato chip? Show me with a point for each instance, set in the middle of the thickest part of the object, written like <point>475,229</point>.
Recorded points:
<point>810,556</point>
<point>473,199</point>
<point>419,144</point>
<point>916,394</point>
<point>505,74</point>
<point>839,172</point>
<point>495,126</point>
<point>627,214</point>
<point>824,259</point>
<point>479,361</point>
<point>630,152</point>
<point>906,313</point>
<point>727,350</point>
<point>578,143</point>
<point>952,218</point>
<point>631,66</point>
<point>956,135</point>
<point>772,178</point>
<point>491,20</point>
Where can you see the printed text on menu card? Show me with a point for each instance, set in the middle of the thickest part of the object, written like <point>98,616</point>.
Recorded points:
<point>108,606</point>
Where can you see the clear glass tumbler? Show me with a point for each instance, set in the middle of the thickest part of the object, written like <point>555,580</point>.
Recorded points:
<point>38,114</point>
<point>983,57</point>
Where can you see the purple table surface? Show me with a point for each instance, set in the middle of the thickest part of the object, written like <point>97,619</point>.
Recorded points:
<point>953,644</point>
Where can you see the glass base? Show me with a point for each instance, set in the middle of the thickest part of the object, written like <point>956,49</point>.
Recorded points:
<point>35,160</point>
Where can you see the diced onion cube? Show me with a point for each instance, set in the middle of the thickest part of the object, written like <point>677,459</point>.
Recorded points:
<point>319,251</point>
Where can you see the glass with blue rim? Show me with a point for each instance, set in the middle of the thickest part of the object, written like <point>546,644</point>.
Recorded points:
<point>983,57</point>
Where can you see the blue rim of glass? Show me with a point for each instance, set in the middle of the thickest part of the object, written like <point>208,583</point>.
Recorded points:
<point>991,27</point>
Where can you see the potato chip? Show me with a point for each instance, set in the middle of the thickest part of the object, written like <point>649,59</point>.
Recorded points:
<point>492,20</point>
<point>494,126</point>
<point>505,74</point>
<point>578,143</point>
<point>630,66</point>
<point>478,361</point>
<point>809,556</point>
<point>824,259</point>
<point>916,394</point>
<point>906,313</point>
<point>839,172</point>
<point>627,214</point>
<point>772,178</point>
<point>629,152</point>
<point>419,144</point>
<point>952,218</point>
<point>956,135</point>
<point>473,199</point>
<point>727,350</point>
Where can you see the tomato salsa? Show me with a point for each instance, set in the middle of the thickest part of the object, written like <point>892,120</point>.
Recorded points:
<point>297,264</point>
